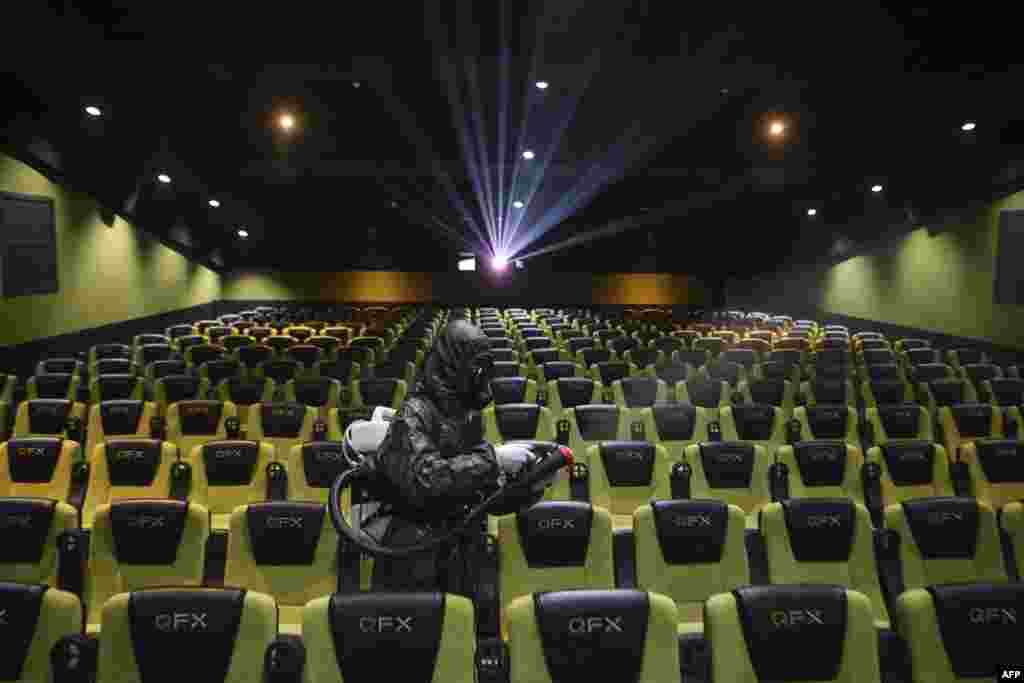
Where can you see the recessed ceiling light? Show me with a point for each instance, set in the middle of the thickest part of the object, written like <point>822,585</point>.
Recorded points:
<point>542,85</point>
<point>812,212</point>
<point>93,111</point>
<point>876,188</point>
<point>164,178</point>
<point>969,126</point>
<point>776,128</point>
<point>518,204</point>
<point>286,121</point>
<point>356,84</point>
<point>214,203</point>
<point>528,154</point>
<point>394,205</point>
<point>243,233</point>
<point>724,91</point>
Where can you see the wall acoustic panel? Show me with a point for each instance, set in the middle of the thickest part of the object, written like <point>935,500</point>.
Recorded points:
<point>1009,276</point>
<point>28,245</point>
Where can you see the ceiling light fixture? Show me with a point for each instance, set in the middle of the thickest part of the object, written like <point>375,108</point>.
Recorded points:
<point>776,128</point>
<point>518,204</point>
<point>164,178</point>
<point>356,84</point>
<point>214,203</point>
<point>876,188</point>
<point>812,212</point>
<point>243,233</point>
<point>286,121</point>
<point>968,126</point>
<point>542,85</point>
<point>528,154</point>
<point>499,263</point>
<point>93,111</point>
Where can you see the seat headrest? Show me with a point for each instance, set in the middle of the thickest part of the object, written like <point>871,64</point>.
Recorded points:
<point>597,422</point>
<point>973,419</point>
<point>33,460</point>
<point>828,421</point>
<point>180,387</point>
<point>910,463</point>
<point>509,390</point>
<point>593,634</point>
<point>900,421</point>
<point>323,461</point>
<point>387,636</point>
<point>793,633</point>
<point>555,533</point>
<point>675,421</point>
<point>132,462</point>
<point>517,420</point>
<point>612,371</point>
<point>230,463</point>
<point>1008,392</point>
<point>282,420</point>
<point>49,415</point>
<point>199,417</point>
<point>147,532</point>
<point>754,422</point>
<point>945,527</point>
<point>980,625</point>
<point>173,629</point>
<point>628,463</point>
<point>728,464</point>
<point>1002,460</point>
<point>770,391</point>
<point>820,529</point>
<point>20,605</point>
<point>121,417</point>
<point>704,393</point>
<point>829,390</point>
<point>691,531</point>
<point>25,525</point>
<point>284,533</point>
<point>821,462</point>
<point>558,370</point>
<point>640,392</point>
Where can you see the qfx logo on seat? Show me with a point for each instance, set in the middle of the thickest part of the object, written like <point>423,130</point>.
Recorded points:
<point>31,452</point>
<point>798,617</point>
<point>181,622</point>
<point>596,625</point>
<point>939,518</point>
<point>556,523</point>
<point>147,522</point>
<point>992,615</point>
<point>16,522</point>
<point>393,624</point>
<point>913,455</point>
<point>120,410</point>
<point>129,456</point>
<point>822,521</point>
<point>824,455</point>
<point>328,456</point>
<point>729,458</point>
<point>691,521</point>
<point>227,453</point>
<point>284,522</point>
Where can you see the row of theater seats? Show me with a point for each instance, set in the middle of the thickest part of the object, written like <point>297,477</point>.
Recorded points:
<point>540,546</point>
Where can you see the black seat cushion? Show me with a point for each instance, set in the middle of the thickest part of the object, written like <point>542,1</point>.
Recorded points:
<point>1001,460</point>
<point>25,525</point>
<point>973,419</point>
<point>728,464</point>
<point>828,421</point>
<point>147,531</point>
<point>323,461</point>
<point>517,420</point>
<point>378,392</point>
<point>282,420</point>
<point>200,417</point>
<point>640,392</point>
<point>821,462</point>
<point>754,422</point>
<point>230,463</point>
<point>943,528</point>
<point>20,606</point>
<point>555,533</point>
<point>628,463</point>
<point>558,370</point>
<point>33,460</point>
<point>910,463</point>
<point>820,529</point>
<point>509,390</point>
<point>597,422</point>
<point>121,417</point>
<point>691,531</point>
<point>133,462</point>
<point>675,421</point>
<point>284,533</point>
<point>979,626</point>
<point>180,387</point>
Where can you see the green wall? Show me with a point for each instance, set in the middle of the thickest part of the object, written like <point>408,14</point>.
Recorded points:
<point>107,274</point>
<point>941,282</point>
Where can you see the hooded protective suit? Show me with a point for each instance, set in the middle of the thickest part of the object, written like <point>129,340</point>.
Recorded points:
<point>434,461</point>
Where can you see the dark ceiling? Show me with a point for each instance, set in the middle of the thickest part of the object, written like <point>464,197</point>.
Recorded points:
<point>412,118</point>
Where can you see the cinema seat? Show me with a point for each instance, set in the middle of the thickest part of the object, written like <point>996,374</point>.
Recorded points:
<point>627,474</point>
<point>517,422</point>
<point>690,550</point>
<point>245,393</point>
<point>234,342</point>
<point>588,425</point>
<point>996,470</point>
<point>634,394</point>
<point>828,421</point>
<point>899,422</point>
<point>823,468</point>
<point>281,425</point>
<point>164,368</point>
<point>312,468</point>
<point>759,424</point>
<point>554,545</point>
<point>569,392</point>
<point>712,396</point>
<point>967,422</point>
<point>1006,393</point>
<point>414,637</point>
<point>792,633</point>
<point>148,353</point>
<point>32,527</point>
<point>36,619</point>
<point>513,390</point>
<point>342,370</point>
<point>323,394</point>
<point>830,391</point>
<point>961,632</point>
<point>977,376</point>
<point>285,549</point>
<point>144,543</point>
<point>120,420</point>
<point>253,356</point>
<point>101,351</point>
<point>217,634</point>
<point>675,427</point>
<point>777,392</point>
<point>216,371</point>
<point>731,471</point>
<point>369,393</point>
<point>946,540</point>
<point>38,467</point>
<point>174,388</point>
<point>621,635</point>
<point>46,416</point>
<point>229,473</point>
<point>911,470</point>
<point>127,387</point>
<point>194,423</point>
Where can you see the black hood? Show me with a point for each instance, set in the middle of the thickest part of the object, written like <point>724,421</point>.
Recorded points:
<point>450,374</point>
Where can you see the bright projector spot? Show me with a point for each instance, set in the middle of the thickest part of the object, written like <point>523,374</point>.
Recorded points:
<point>499,263</point>
<point>467,264</point>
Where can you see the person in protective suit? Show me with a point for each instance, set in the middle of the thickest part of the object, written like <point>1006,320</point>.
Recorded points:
<point>434,461</point>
